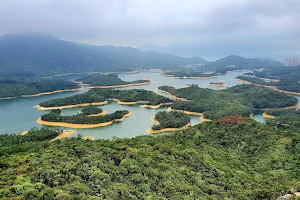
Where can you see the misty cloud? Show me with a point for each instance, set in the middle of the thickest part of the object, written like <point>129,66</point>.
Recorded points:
<point>210,29</point>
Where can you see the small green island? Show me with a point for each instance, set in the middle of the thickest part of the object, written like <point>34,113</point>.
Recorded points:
<point>169,121</point>
<point>108,81</point>
<point>189,74</point>
<point>81,120</point>
<point>217,84</point>
<point>20,87</point>
<point>238,100</point>
<point>91,111</point>
<point>101,96</point>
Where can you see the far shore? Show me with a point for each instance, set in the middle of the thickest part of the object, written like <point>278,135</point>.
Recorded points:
<point>114,86</point>
<point>189,77</point>
<point>81,126</point>
<point>40,94</point>
<point>217,84</point>
<point>169,129</point>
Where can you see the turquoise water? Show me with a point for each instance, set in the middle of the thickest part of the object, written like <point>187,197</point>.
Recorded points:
<point>18,115</point>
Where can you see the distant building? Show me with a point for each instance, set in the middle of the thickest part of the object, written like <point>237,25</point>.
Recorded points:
<point>290,62</point>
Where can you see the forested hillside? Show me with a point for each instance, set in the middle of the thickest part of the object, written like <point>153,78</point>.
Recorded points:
<point>18,87</point>
<point>212,160</point>
<point>47,55</point>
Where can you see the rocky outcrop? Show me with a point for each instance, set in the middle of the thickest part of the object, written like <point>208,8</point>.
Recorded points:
<point>294,193</point>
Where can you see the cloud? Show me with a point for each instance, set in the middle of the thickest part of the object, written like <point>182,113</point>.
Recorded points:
<point>211,28</point>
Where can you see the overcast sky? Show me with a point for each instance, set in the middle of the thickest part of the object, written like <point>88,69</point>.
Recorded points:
<point>206,28</point>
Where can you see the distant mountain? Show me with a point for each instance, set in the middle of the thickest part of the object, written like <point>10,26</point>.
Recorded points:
<point>46,55</point>
<point>238,62</point>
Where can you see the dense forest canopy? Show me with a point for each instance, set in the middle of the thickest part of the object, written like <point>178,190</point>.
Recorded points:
<point>47,55</point>
<point>106,80</point>
<point>16,87</point>
<point>288,78</point>
<point>100,95</point>
<point>234,62</point>
<point>55,116</point>
<point>237,100</point>
<point>209,161</point>
<point>287,119</point>
<point>91,110</point>
<point>171,119</point>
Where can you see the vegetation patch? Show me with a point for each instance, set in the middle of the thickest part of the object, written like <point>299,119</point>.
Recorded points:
<point>101,95</point>
<point>208,161</point>
<point>170,120</point>
<point>108,81</point>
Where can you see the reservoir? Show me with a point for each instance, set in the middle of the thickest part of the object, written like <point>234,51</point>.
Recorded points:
<point>18,115</point>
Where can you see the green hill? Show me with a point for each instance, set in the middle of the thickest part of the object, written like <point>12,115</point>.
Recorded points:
<point>212,160</point>
<point>47,55</point>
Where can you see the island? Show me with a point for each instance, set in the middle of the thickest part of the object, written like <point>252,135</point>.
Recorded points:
<point>217,84</point>
<point>165,121</point>
<point>238,100</point>
<point>54,118</point>
<point>190,74</point>
<point>92,111</point>
<point>14,88</point>
<point>102,96</point>
<point>109,81</point>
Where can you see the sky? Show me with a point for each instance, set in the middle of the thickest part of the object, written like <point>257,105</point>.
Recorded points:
<point>207,28</point>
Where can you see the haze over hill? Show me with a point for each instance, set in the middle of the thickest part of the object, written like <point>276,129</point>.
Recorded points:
<point>48,55</point>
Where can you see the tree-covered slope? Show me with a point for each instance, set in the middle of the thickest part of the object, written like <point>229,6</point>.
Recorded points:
<point>47,55</point>
<point>234,62</point>
<point>209,161</point>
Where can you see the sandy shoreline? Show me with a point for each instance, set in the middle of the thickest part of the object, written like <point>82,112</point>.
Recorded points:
<point>44,93</point>
<point>156,106</point>
<point>79,126</point>
<point>64,134</point>
<point>71,106</point>
<point>218,85</point>
<point>265,115</point>
<point>98,114</point>
<point>172,96</point>
<point>201,118</point>
<point>169,129</point>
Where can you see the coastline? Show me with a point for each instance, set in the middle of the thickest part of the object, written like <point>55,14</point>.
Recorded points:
<point>64,134</point>
<point>218,85</point>
<point>172,96</point>
<point>114,86</point>
<point>156,106</point>
<point>265,115</point>
<point>267,86</point>
<point>169,129</point>
<point>79,126</point>
<point>43,93</point>
<point>98,114</point>
<point>201,118</point>
<point>71,106</point>
<point>283,108</point>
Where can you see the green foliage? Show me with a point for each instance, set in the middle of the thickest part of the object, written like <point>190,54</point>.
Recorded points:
<point>90,110</point>
<point>171,119</point>
<point>290,85</point>
<point>213,104</point>
<point>208,161</point>
<point>262,97</point>
<point>19,87</point>
<point>106,80</point>
<point>100,95</point>
<point>286,119</point>
<point>55,116</point>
